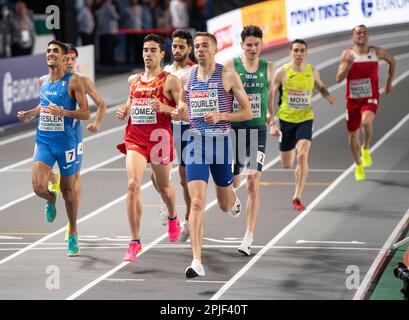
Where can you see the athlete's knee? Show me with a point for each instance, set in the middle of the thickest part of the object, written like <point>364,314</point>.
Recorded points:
<point>134,187</point>
<point>252,185</point>
<point>196,205</point>
<point>225,204</point>
<point>165,190</point>
<point>68,191</point>
<point>40,189</point>
<point>367,124</point>
<point>302,157</point>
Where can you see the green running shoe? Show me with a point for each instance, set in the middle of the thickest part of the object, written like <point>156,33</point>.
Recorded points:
<point>73,246</point>
<point>50,209</point>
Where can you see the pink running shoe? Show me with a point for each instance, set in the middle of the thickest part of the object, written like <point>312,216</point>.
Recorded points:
<point>133,249</point>
<point>174,230</point>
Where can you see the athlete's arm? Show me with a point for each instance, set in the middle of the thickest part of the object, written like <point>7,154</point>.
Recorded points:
<point>390,60</point>
<point>270,104</point>
<point>171,89</point>
<point>99,102</point>
<point>122,112</point>
<point>181,113</point>
<point>345,65</point>
<point>232,83</point>
<point>278,80</point>
<point>31,113</point>
<point>322,88</point>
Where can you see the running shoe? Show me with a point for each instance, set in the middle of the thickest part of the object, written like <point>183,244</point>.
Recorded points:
<point>67,232</point>
<point>163,214</point>
<point>366,157</point>
<point>245,246</point>
<point>173,230</point>
<point>184,235</point>
<point>359,172</point>
<point>133,249</point>
<point>50,209</point>
<point>236,210</point>
<point>73,246</point>
<point>297,205</point>
<point>195,270</point>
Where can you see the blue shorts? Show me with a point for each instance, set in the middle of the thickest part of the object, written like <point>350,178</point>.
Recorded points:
<point>210,153</point>
<point>65,157</point>
<point>178,129</point>
<point>292,132</point>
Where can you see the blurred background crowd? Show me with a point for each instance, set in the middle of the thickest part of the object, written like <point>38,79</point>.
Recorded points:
<point>115,27</point>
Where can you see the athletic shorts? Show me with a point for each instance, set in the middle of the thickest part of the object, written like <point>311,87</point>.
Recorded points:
<point>250,149</point>
<point>293,132</point>
<point>80,148</point>
<point>178,129</point>
<point>65,157</point>
<point>212,153</point>
<point>355,110</point>
<point>155,154</point>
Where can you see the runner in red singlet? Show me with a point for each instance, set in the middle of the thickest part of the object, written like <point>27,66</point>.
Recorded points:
<point>148,138</point>
<point>360,66</point>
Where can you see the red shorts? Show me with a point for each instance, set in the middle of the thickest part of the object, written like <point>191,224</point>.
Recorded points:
<point>160,153</point>
<point>355,109</point>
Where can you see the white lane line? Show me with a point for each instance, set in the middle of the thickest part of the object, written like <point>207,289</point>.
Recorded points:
<point>85,171</point>
<point>33,132</point>
<point>312,205</point>
<point>387,46</point>
<point>342,43</point>
<point>380,258</point>
<point>89,138</point>
<point>399,243</point>
<point>330,242</point>
<point>63,247</point>
<point>176,280</point>
<point>339,170</point>
<point>124,280</point>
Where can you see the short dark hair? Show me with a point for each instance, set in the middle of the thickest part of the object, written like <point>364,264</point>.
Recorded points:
<point>207,34</point>
<point>71,47</point>
<point>183,34</point>
<point>251,31</point>
<point>359,26</point>
<point>62,45</point>
<point>300,41</point>
<point>155,38</point>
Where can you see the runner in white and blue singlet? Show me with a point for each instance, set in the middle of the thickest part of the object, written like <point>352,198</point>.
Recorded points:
<point>208,92</point>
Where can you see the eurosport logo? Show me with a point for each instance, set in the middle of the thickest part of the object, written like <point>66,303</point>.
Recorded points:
<point>370,7</point>
<point>16,91</point>
<point>367,8</point>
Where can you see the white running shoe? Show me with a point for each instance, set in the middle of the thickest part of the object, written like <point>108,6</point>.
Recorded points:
<point>245,246</point>
<point>236,210</point>
<point>163,215</point>
<point>184,236</point>
<point>195,270</point>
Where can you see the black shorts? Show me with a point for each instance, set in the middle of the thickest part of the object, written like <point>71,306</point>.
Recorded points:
<point>250,148</point>
<point>292,132</point>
